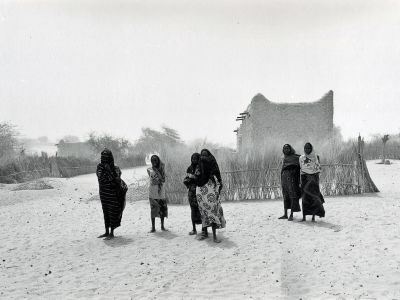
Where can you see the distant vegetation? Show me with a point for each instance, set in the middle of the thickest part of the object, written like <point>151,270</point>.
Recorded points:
<point>383,146</point>
<point>176,154</point>
<point>8,142</point>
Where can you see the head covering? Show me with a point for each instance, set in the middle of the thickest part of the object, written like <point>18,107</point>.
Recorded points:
<point>309,144</point>
<point>291,159</point>
<point>309,163</point>
<point>107,157</point>
<point>191,170</point>
<point>195,156</point>
<point>209,166</point>
<point>192,167</point>
<point>292,151</point>
<point>159,168</point>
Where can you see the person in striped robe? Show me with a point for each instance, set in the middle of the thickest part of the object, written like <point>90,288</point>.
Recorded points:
<point>112,195</point>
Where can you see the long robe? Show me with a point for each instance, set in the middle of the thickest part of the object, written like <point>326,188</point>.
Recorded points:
<point>207,194</point>
<point>312,199</point>
<point>157,196</point>
<point>290,180</point>
<point>190,183</point>
<point>111,196</point>
<point>210,207</point>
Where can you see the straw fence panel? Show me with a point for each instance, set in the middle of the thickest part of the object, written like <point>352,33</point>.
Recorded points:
<point>263,184</point>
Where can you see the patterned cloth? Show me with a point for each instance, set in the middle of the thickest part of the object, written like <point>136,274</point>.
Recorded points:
<point>111,197</point>
<point>156,190</point>
<point>157,178</point>
<point>290,180</point>
<point>309,163</point>
<point>210,206</point>
<point>312,199</point>
<point>159,208</point>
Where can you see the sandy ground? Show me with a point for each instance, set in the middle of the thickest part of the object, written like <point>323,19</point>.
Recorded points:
<point>49,248</point>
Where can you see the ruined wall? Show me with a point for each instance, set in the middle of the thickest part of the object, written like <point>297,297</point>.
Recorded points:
<point>277,123</point>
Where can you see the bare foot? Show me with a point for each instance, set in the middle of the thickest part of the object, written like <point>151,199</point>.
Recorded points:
<point>152,230</point>
<point>283,217</point>
<point>103,235</point>
<point>110,237</point>
<point>202,237</point>
<point>193,232</point>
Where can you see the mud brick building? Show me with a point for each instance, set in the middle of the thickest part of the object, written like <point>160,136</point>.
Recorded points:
<point>265,122</point>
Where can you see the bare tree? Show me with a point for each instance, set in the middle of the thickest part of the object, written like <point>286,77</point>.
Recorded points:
<point>8,140</point>
<point>157,141</point>
<point>119,146</point>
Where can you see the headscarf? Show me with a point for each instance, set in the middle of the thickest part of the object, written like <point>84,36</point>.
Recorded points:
<point>309,163</point>
<point>107,157</point>
<point>159,169</point>
<point>191,170</point>
<point>192,167</point>
<point>209,166</point>
<point>291,159</point>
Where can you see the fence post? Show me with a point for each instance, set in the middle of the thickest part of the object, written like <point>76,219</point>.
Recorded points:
<point>356,176</point>
<point>368,184</point>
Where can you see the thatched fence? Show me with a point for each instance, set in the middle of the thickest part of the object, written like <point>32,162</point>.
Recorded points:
<point>26,168</point>
<point>262,184</point>
<point>30,168</point>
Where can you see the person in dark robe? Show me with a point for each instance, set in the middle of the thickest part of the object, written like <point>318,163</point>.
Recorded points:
<point>290,180</point>
<point>157,197</point>
<point>112,192</point>
<point>190,183</point>
<point>207,193</point>
<point>312,199</point>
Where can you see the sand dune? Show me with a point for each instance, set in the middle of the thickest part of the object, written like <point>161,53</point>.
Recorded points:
<point>49,248</point>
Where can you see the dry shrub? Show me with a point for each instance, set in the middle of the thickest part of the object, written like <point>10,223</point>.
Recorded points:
<point>33,185</point>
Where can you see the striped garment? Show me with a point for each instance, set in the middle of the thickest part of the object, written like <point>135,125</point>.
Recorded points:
<point>112,202</point>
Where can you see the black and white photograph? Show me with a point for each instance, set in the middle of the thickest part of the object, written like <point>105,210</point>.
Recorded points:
<point>200,149</point>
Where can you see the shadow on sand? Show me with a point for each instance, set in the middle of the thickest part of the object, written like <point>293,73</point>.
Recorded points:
<point>322,224</point>
<point>118,241</point>
<point>168,235</point>
<point>225,242</point>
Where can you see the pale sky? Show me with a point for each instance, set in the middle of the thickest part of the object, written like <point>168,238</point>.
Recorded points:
<point>72,67</point>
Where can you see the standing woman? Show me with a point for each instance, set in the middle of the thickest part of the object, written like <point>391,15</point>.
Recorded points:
<point>190,183</point>
<point>290,180</point>
<point>207,194</point>
<point>312,198</point>
<point>112,192</point>
<point>158,201</point>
